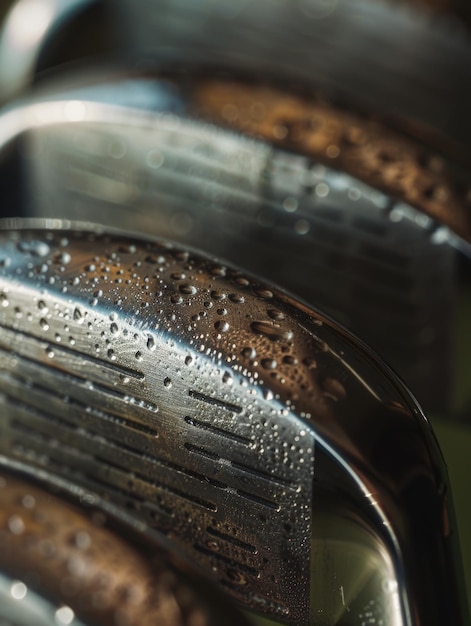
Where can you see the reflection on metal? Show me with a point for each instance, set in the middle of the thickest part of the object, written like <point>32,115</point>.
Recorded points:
<point>23,37</point>
<point>145,164</point>
<point>229,416</point>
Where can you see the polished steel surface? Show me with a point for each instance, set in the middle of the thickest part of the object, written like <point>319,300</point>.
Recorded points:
<point>147,155</point>
<point>251,429</point>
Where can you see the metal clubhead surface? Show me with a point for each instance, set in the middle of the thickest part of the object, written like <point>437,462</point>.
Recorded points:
<point>262,437</point>
<point>155,156</point>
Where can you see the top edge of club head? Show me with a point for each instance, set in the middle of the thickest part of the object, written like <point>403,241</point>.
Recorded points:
<point>67,563</point>
<point>157,154</point>
<point>125,103</point>
<point>246,425</point>
<point>285,39</point>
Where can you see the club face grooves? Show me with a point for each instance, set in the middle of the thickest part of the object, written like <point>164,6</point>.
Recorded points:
<point>207,404</point>
<point>104,394</point>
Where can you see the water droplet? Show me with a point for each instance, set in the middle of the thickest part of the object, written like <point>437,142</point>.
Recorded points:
<point>290,204</point>
<point>218,271</point>
<point>50,353</point>
<point>266,294</point>
<point>138,356</point>
<point>90,268</point>
<point>167,382</point>
<point>276,315</point>
<point>178,276</point>
<point>249,353</point>
<point>150,343</point>
<point>176,298</point>
<point>302,227</point>
<point>155,259</point>
<point>4,300</point>
<point>78,316</point>
<point>64,616</point>
<point>82,540</point>
<point>188,360</point>
<point>28,501</point>
<point>236,298</point>
<point>221,311</point>
<point>332,151</point>
<point>34,248</point>
<point>274,333</point>
<point>62,258</point>
<point>187,289</point>
<point>44,324</point>
<point>114,328</point>
<point>322,190</point>
<point>227,378</point>
<point>111,355</point>
<point>280,131</point>
<point>354,194</point>
<point>269,364</point>
<point>221,326</point>
<point>18,590</point>
<point>218,295</point>
<point>155,159</point>
<point>16,525</point>
<point>242,281</point>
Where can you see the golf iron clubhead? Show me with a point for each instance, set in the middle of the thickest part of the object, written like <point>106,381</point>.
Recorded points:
<point>68,564</point>
<point>155,155</point>
<point>260,436</point>
<point>135,136</point>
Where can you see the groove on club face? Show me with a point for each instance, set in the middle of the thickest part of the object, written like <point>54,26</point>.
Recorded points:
<point>241,423</point>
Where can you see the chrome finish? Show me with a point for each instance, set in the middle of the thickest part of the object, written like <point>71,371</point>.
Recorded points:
<point>254,431</point>
<point>130,152</point>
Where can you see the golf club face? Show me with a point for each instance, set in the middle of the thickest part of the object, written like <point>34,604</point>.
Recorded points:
<point>151,156</point>
<point>67,562</point>
<point>256,433</point>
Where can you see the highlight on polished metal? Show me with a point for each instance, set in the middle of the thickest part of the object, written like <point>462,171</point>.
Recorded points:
<point>62,562</point>
<point>339,209</point>
<point>349,165</point>
<point>256,433</point>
